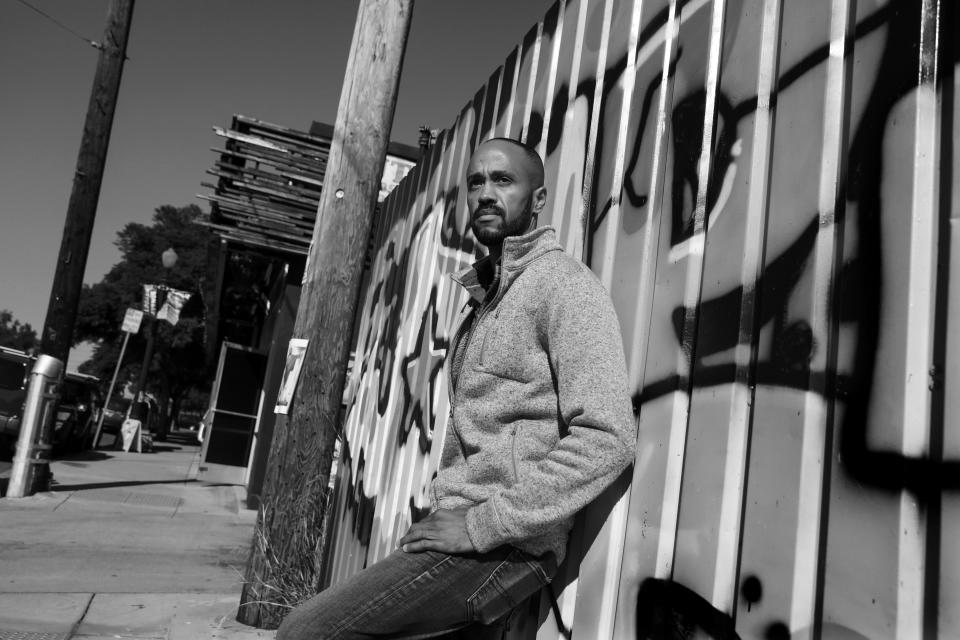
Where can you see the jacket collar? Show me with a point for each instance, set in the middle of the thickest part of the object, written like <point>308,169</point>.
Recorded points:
<point>518,252</point>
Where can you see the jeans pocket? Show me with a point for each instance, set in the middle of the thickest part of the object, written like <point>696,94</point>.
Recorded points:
<point>514,580</point>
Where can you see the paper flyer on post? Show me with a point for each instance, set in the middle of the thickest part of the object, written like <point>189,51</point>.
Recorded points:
<point>296,351</point>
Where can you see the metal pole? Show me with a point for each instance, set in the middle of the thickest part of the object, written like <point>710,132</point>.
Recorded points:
<point>36,411</point>
<point>151,340</point>
<point>113,382</point>
<point>147,358</point>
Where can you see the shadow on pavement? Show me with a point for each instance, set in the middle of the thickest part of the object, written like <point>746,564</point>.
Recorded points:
<point>107,485</point>
<point>183,437</point>
<point>160,448</point>
<point>90,455</point>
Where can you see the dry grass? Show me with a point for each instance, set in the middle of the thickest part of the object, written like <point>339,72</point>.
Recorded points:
<point>278,578</point>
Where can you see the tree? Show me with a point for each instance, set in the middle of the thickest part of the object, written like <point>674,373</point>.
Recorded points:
<point>178,365</point>
<point>15,334</point>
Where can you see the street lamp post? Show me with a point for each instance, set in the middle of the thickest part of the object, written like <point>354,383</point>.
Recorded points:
<point>169,260</point>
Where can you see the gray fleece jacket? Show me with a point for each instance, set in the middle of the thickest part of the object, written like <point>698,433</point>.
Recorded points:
<point>541,417</point>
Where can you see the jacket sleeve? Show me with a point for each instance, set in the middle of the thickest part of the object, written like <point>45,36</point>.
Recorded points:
<point>585,349</point>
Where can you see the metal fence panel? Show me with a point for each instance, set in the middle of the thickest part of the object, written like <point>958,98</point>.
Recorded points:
<point>769,191</point>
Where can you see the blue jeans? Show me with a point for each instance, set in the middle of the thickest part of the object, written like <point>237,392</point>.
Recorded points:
<point>423,595</point>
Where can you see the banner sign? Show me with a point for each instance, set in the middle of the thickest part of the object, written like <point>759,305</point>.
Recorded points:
<point>173,301</point>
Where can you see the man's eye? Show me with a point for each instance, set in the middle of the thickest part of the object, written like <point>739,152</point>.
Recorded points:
<point>503,180</point>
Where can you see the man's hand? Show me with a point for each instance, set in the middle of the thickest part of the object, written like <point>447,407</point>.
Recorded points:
<point>444,530</point>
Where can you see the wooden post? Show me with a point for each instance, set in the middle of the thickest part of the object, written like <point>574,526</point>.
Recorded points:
<point>285,562</point>
<point>57,336</point>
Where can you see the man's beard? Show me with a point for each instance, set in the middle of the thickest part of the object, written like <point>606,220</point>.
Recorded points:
<point>487,235</point>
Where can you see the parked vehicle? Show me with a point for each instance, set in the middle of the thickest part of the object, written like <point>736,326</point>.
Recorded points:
<point>14,371</point>
<point>77,413</point>
<point>77,410</point>
<point>114,414</point>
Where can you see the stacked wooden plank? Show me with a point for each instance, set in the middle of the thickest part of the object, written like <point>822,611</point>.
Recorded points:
<point>268,185</point>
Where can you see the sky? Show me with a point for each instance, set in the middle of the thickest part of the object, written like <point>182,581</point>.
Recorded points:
<point>192,65</point>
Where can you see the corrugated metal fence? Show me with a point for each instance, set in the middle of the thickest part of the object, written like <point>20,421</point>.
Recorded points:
<point>769,190</point>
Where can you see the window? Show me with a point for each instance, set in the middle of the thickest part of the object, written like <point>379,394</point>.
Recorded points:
<point>13,374</point>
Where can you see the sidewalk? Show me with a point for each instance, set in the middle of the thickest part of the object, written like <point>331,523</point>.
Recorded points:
<point>125,545</point>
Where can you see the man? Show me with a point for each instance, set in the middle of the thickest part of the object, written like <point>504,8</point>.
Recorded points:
<point>540,424</point>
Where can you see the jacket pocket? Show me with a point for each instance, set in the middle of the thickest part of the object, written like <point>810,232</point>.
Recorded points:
<point>503,349</point>
<point>514,580</point>
<point>491,325</point>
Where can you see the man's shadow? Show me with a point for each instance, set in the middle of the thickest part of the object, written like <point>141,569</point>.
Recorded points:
<point>666,610</point>
<point>529,617</point>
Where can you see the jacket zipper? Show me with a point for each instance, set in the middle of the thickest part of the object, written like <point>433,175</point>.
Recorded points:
<point>456,338</point>
<point>495,305</point>
<point>516,463</point>
<point>450,392</point>
<point>486,334</point>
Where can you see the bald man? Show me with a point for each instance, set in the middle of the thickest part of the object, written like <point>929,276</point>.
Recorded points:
<point>540,424</point>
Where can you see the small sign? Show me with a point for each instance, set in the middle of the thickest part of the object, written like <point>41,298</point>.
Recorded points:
<point>296,351</point>
<point>131,431</point>
<point>132,320</point>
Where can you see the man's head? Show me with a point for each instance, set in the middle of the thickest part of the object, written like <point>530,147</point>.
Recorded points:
<point>505,191</point>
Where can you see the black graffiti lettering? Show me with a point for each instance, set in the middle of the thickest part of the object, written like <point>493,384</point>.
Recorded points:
<point>751,590</point>
<point>777,631</point>
<point>687,125</point>
<point>359,505</point>
<point>858,296</point>
<point>667,610</point>
<point>420,384</point>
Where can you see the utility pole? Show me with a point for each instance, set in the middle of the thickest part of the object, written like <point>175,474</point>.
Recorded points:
<point>287,553</point>
<point>57,335</point>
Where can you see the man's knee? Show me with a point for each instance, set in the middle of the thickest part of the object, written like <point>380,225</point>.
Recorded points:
<point>305,622</point>
<point>283,631</point>
<point>287,629</point>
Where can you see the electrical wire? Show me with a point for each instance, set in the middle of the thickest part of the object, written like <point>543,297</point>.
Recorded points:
<point>46,15</point>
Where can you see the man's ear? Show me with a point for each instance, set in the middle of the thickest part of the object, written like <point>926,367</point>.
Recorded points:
<point>539,200</point>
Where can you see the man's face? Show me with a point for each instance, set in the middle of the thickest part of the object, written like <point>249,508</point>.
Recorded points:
<point>501,193</point>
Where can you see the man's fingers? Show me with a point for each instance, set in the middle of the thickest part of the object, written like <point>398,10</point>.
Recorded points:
<point>417,531</point>
<point>414,547</point>
<point>443,531</point>
<point>412,535</point>
<point>418,539</point>
<point>425,544</point>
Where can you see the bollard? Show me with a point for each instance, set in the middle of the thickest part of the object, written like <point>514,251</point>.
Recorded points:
<point>33,446</point>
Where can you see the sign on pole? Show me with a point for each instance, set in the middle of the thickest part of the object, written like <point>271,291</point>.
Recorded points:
<point>132,320</point>
<point>131,324</point>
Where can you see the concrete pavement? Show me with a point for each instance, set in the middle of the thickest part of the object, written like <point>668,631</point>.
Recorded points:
<point>125,545</point>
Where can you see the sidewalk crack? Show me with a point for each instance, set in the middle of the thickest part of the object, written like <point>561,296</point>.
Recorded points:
<point>60,504</point>
<point>76,625</point>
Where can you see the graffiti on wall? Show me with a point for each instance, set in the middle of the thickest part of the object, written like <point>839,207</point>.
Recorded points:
<point>742,175</point>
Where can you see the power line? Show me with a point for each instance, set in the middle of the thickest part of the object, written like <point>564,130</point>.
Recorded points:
<point>46,15</point>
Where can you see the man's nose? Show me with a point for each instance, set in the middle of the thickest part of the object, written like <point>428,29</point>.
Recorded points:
<point>486,193</point>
